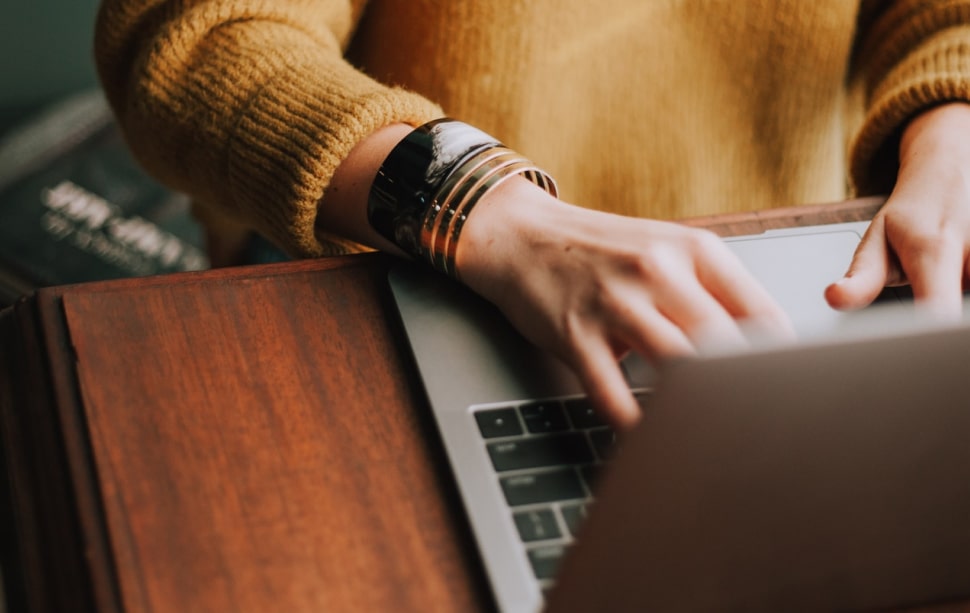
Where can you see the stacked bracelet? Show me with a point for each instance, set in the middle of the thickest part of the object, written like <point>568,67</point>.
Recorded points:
<point>429,183</point>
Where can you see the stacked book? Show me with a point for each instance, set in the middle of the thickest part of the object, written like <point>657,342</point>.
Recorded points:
<point>75,206</point>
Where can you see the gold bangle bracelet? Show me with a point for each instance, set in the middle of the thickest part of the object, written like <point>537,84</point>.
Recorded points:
<point>466,184</point>
<point>441,200</point>
<point>464,208</point>
<point>428,185</point>
<point>458,196</point>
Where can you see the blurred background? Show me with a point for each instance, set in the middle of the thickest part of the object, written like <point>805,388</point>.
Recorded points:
<point>45,53</point>
<point>57,133</point>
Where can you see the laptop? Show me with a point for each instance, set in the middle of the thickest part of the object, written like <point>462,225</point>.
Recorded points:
<point>530,455</point>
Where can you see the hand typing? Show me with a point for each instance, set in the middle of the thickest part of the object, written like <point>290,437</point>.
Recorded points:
<point>590,286</point>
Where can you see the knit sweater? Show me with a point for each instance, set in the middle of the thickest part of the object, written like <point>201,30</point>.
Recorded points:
<point>659,108</point>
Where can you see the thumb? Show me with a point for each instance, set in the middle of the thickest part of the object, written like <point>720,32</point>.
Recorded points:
<point>867,275</point>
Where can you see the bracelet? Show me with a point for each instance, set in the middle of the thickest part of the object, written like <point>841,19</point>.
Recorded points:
<point>430,182</point>
<point>408,179</point>
<point>471,185</point>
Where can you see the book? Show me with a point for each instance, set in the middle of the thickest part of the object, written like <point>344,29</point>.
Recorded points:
<point>75,205</point>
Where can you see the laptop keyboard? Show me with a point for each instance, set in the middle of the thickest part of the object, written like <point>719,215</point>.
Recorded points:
<point>547,455</point>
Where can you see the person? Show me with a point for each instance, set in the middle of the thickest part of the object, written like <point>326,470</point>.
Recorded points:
<point>284,115</point>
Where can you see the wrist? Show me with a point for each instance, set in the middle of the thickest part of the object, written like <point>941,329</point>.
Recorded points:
<point>343,208</point>
<point>944,129</point>
<point>935,150</point>
<point>431,181</point>
<point>510,225</point>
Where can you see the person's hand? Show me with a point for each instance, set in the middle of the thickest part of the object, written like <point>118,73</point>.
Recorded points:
<point>589,286</point>
<point>921,236</point>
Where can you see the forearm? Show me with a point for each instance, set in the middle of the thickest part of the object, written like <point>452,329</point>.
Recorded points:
<point>343,209</point>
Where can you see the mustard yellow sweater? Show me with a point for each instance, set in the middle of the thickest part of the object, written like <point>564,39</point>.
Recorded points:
<point>660,108</point>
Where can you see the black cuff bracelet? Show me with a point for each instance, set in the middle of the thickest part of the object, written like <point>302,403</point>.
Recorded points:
<point>407,181</point>
<point>431,180</point>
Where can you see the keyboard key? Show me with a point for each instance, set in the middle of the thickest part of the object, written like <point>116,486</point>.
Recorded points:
<point>498,422</point>
<point>582,413</point>
<point>537,488</point>
<point>537,525</point>
<point>557,450</point>
<point>604,442</point>
<point>574,514</point>
<point>545,561</point>
<point>590,474</point>
<point>543,417</point>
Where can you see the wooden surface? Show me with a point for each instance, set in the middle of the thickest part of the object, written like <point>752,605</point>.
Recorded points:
<point>242,440</point>
<point>255,441</point>
<point>267,427</point>
<point>757,222</point>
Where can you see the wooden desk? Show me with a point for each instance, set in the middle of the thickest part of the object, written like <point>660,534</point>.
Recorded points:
<point>244,439</point>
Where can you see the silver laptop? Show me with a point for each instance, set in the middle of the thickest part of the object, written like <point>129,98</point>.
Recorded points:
<point>529,453</point>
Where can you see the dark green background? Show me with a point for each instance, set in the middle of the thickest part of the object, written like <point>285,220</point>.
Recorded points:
<point>45,52</point>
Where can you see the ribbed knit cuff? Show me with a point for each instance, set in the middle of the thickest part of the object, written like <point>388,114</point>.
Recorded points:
<point>295,133</point>
<point>934,72</point>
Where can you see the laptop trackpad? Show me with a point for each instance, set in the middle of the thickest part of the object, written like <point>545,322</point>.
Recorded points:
<point>796,269</point>
<point>795,266</point>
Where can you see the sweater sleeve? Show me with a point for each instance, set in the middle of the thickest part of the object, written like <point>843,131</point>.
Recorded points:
<point>910,55</point>
<point>246,105</point>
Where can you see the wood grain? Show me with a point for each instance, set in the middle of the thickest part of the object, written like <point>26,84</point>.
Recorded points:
<point>258,447</point>
<point>861,209</point>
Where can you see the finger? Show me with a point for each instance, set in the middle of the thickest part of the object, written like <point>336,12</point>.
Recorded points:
<point>935,268</point>
<point>868,273</point>
<point>603,380</point>
<point>702,318</point>
<point>638,324</point>
<point>742,296</point>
